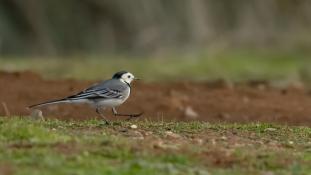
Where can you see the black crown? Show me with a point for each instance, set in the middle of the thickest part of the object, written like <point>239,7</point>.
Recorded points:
<point>119,74</point>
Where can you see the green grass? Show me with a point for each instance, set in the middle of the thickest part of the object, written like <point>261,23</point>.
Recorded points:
<point>88,147</point>
<point>236,65</point>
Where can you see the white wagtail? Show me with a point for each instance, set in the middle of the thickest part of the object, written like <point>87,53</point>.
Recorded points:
<point>109,93</point>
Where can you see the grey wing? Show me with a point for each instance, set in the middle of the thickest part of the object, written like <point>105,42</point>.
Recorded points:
<point>106,90</point>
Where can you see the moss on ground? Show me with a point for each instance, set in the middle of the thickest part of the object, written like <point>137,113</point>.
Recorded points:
<point>88,147</point>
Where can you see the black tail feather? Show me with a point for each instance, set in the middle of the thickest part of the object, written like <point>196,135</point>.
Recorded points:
<point>49,103</point>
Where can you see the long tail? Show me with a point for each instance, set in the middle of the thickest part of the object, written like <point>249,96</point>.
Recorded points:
<point>50,102</point>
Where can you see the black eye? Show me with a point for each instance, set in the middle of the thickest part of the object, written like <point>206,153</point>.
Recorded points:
<point>129,76</point>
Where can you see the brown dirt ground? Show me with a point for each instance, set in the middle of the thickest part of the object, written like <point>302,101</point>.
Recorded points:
<point>212,101</point>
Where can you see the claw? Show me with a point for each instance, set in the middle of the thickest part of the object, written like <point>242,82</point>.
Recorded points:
<point>102,116</point>
<point>134,116</point>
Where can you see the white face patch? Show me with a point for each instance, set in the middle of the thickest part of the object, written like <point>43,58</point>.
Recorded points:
<point>127,77</point>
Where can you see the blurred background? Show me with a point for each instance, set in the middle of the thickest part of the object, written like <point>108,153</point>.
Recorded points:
<point>158,39</point>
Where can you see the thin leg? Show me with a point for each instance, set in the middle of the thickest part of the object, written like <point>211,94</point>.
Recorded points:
<point>102,115</point>
<point>114,111</point>
<point>128,115</point>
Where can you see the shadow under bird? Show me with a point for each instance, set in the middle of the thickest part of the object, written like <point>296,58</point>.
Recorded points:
<point>106,94</point>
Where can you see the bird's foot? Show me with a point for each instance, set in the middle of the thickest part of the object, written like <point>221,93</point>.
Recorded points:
<point>134,116</point>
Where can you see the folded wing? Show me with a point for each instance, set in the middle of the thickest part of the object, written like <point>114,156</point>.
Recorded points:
<point>107,91</point>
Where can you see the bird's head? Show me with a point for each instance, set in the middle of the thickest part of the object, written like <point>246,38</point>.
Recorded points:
<point>124,76</point>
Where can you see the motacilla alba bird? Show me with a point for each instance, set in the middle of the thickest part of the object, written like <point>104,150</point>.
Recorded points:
<point>109,93</point>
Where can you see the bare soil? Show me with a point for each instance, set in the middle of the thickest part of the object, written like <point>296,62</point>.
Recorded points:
<point>205,101</point>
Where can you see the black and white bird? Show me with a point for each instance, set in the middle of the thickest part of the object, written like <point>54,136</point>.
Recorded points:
<point>106,94</point>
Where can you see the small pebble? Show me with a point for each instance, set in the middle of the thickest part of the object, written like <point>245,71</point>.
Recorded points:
<point>133,126</point>
<point>37,114</point>
<point>190,113</point>
<point>223,138</point>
